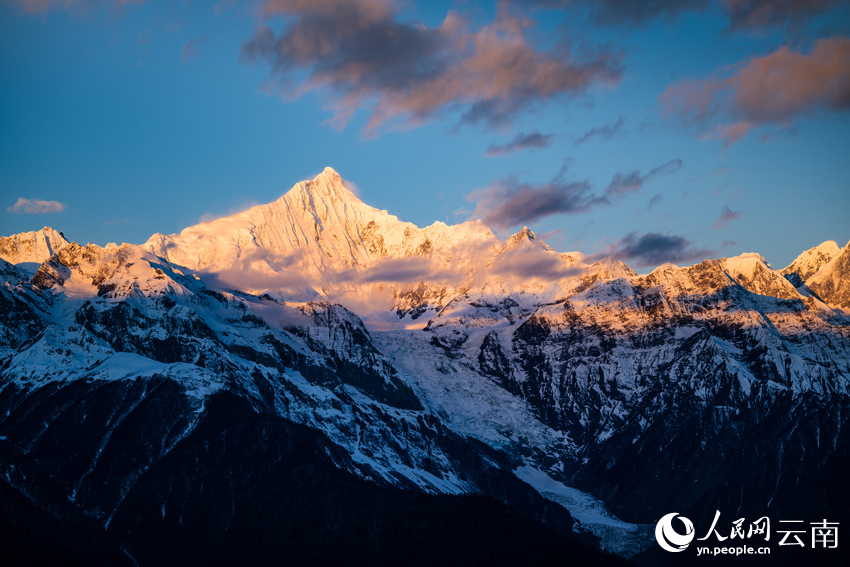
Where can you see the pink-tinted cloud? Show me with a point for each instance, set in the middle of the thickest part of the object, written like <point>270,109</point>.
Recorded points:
<point>534,140</point>
<point>642,11</point>
<point>605,132</point>
<point>360,55</point>
<point>35,206</point>
<point>653,249</point>
<point>727,215</point>
<point>624,183</point>
<point>190,48</point>
<point>40,6</point>
<point>773,90</point>
<point>743,15</point>
<point>760,14</point>
<point>508,202</point>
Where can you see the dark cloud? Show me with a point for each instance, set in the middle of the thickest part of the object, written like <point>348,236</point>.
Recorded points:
<point>774,90</point>
<point>41,6</point>
<point>533,140</point>
<point>761,14</point>
<point>530,263</point>
<point>628,182</point>
<point>190,49</point>
<point>653,249</point>
<point>605,132</point>
<point>509,203</point>
<point>743,15</point>
<point>360,55</point>
<point>640,12</point>
<point>655,201</point>
<point>626,12</point>
<point>727,215</point>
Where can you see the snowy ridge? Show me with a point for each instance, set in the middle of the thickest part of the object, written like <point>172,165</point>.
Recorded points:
<point>438,359</point>
<point>31,247</point>
<point>809,262</point>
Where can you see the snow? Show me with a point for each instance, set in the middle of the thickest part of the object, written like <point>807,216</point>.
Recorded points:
<point>601,333</point>
<point>31,247</point>
<point>617,536</point>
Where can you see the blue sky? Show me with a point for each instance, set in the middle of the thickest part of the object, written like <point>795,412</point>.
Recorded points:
<point>681,131</point>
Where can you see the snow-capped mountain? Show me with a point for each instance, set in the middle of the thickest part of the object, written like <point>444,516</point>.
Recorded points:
<point>830,282</point>
<point>156,388</point>
<point>31,247</point>
<point>809,262</point>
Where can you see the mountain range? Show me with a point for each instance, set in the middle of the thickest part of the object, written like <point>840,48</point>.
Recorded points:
<point>314,377</point>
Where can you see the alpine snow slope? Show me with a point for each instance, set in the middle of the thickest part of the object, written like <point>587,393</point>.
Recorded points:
<point>169,388</point>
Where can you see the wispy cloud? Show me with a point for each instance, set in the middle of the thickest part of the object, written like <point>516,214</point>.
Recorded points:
<point>743,15</point>
<point>761,14</point>
<point>360,55</point>
<point>35,207</point>
<point>653,249</point>
<point>654,202</point>
<point>605,132</point>
<point>639,12</point>
<point>507,202</point>
<point>727,215</point>
<point>190,48</point>
<point>773,90</point>
<point>40,6</point>
<point>623,183</point>
<point>533,140</point>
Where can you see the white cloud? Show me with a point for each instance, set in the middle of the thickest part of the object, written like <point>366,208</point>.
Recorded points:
<point>35,207</point>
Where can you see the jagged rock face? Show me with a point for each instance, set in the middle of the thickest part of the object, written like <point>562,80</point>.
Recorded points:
<point>809,262</point>
<point>719,383</point>
<point>832,281</point>
<point>31,247</point>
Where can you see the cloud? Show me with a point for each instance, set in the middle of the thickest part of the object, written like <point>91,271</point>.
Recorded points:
<point>641,12</point>
<point>398,270</point>
<point>626,12</point>
<point>352,186</point>
<point>773,90</point>
<point>727,215</point>
<point>190,49</point>
<point>654,202</point>
<point>41,6</point>
<point>260,270</point>
<point>761,14</point>
<point>35,207</point>
<point>358,54</point>
<point>508,202</point>
<point>603,132</point>
<point>743,15</point>
<point>533,140</point>
<point>623,183</point>
<point>521,265</point>
<point>653,249</point>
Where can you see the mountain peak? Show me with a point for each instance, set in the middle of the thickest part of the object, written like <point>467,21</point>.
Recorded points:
<point>32,247</point>
<point>327,187</point>
<point>809,262</point>
<point>525,236</point>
